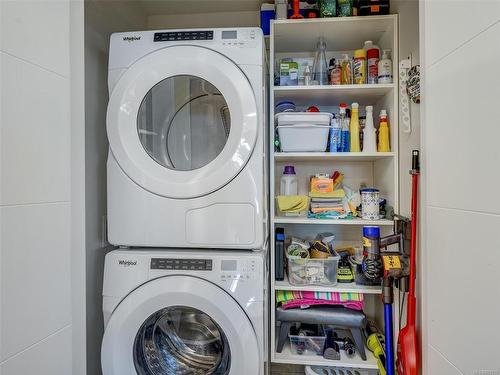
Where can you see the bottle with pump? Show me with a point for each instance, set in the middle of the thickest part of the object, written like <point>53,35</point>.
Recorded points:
<point>289,183</point>
<point>320,66</point>
<point>385,67</point>
<point>384,144</point>
<point>354,129</point>
<point>344,123</point>
<point>369,135</point>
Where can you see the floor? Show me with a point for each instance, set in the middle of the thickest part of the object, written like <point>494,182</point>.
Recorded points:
<point>278,369</point>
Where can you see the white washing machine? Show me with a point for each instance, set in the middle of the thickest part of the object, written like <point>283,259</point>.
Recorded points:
<point>186,129</point>
<point>184,312</point>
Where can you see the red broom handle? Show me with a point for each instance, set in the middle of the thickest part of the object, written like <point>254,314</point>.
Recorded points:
<point>413,247</point>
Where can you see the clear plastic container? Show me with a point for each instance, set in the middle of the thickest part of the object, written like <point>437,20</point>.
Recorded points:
<point>307,345</point>
<point>310,271</point>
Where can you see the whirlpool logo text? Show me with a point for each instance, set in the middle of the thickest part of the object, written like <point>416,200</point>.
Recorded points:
<point>127,263</point>
<point>131,39</point>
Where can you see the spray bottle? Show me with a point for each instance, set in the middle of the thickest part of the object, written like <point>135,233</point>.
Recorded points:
<point>344,122</point>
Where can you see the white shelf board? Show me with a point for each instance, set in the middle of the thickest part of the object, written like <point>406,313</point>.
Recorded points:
<point>286,356</point>
<point>334,156</point>
<point>367,94</point>
<point>340,288</point>
<point>306,220</point>
<point>341,33</point>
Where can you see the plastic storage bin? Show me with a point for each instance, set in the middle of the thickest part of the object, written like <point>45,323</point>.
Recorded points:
<point>309,271</point>
<point>303,131</point>
<point>308,345</point>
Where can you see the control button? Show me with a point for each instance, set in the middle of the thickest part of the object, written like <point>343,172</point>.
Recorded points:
<point>210,34</point>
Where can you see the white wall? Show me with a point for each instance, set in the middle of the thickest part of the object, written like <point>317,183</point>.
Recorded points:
<point>461,88</point>
<point>101,19</point>
<point>35,189</point>
<point>194,20</point>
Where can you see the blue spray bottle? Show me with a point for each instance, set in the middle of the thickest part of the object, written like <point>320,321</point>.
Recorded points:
<point>344,122</point>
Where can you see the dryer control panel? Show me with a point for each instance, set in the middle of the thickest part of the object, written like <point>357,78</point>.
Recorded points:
<point>181,264</point>
<point>170,36</point>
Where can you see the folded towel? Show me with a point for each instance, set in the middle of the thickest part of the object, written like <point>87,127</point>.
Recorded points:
<point>292,203</point>
<point>339,193</point>
<point>291,299</point>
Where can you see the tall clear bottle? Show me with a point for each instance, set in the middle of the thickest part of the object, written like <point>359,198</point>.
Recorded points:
<point>369,136</point>
<point>320,66</point>
<point>354,129</point>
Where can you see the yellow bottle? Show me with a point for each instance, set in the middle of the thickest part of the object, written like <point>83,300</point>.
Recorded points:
<point>384,144</point>
<point>354,129</point>
<point>359,69</point>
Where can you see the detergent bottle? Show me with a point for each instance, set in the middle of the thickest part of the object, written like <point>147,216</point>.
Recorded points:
<point>354,129</point>
<point>383,133</point>
<point>289,183</point>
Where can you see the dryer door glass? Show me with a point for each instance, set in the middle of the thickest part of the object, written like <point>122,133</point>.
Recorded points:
<point>181,340</point>
<point>183,122</point>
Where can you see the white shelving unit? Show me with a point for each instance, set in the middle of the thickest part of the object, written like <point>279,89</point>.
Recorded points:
<point>298,38</point>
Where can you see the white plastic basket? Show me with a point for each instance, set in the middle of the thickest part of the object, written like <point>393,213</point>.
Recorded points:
<point>303,131</point>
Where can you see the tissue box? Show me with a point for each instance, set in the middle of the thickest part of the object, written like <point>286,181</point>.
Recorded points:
<point>289,73</point>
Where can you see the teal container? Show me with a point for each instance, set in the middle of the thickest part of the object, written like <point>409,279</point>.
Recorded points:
<point>344,8</point>
<point>327,8</point>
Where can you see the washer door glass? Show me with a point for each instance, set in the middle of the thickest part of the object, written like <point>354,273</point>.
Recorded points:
<point>181,340</point>
<point>184,122</point>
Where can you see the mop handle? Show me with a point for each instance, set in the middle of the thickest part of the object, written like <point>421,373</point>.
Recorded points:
<point>389,339</point>
<point>415,171</point>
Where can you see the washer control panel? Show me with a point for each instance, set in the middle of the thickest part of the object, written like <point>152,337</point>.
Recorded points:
<point>237,270</point>
<point>181,264</point>
<point>170,36</point>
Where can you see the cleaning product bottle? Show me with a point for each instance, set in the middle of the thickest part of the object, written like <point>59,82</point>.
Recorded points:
<point>336,74</point>
<point>359,69</point>
<point>372,60</point>
<point>369,136</point>
<point>307,76</point>
<point>344,122</point>
<point>383,133</point>
<point>320,66</point>
<point>354,129</point>
<point>346,65</point>
<point>289,183</point>
<point>336,135</point>
<point>385,67</point>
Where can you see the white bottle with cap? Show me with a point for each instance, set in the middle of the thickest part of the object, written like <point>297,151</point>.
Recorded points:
<point>369,136</point>
<point>385,67</point>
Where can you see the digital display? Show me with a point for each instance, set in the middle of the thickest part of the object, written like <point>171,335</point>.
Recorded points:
<point>233,34</point>
<point>229,265</point>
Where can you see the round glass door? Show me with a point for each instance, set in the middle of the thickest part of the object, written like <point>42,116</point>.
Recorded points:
<point>184,122</point>
<point>181,340</point>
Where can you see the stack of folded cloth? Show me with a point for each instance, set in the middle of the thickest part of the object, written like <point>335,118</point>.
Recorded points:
<point>294,299</point>
<point>328,203</point>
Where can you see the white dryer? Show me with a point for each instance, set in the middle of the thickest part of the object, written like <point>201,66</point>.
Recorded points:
<point>189,312</point>
<point>186,130</point>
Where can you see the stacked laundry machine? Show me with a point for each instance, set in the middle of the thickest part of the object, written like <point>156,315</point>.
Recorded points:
<point>187,203</point>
